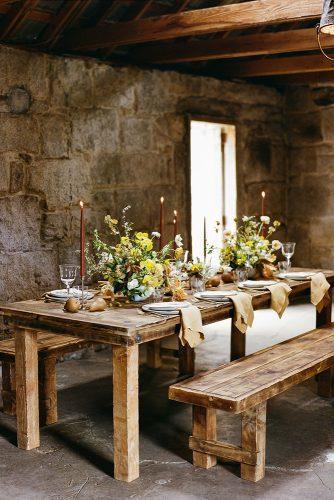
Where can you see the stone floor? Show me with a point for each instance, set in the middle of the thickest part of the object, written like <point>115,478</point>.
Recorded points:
<point>75,457</point>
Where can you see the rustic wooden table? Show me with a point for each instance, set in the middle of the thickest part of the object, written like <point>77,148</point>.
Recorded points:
<point>123,328</point>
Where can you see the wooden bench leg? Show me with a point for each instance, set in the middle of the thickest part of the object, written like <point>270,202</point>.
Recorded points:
<point>126,419</point>
<point>186,360</point>
<point>26,367</point>
<point>8,388</point>
<point>47,390</point>
<point>153,355</point>
<point>238,343</point>
<point>253,439</point>
<point>325,379</point>
<point>204,427</point>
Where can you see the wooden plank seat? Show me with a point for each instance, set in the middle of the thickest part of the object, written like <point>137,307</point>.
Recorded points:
<point>50,348</point>
<point>243,387</point>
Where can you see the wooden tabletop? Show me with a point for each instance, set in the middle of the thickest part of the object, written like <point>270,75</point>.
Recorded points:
<point>126,325</point>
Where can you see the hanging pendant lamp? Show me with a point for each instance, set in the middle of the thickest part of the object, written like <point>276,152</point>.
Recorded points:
<point>326,25</point>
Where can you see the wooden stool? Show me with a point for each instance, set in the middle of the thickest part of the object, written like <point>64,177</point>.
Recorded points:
<point>50,347</point>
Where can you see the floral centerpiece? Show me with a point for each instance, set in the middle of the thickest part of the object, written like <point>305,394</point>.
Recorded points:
<point>249,246</point>
<point>130,263</point>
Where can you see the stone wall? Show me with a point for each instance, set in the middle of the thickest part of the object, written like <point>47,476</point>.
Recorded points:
<point>73,129</point>
<point>310,131</point>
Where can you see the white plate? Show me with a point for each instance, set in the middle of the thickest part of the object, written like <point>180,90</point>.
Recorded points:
<point>258,283</point>
<point>301,275</point>
<point>217,297</point>
<point>62,294</point>
<point>167,306</point>
<point>170,312</point>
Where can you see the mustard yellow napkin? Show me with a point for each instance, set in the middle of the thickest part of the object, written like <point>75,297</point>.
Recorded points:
<point>319,291</point>
<point>243,311</point>
<point>279,297</point>
<point>191,332</point>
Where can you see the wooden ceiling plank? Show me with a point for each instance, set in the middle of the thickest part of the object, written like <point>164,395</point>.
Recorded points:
<point>71,11</point>
<point>15,16</point>
<point>242,46</point>
<point>195,22</point>
<point>276,66</point>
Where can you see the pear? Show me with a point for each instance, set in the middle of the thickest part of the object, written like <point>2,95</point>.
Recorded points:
<point>97,304</point>
<point>72,305</point>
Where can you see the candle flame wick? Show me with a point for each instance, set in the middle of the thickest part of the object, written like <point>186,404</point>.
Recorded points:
<point>81,204</point>
<point>263,194</point>
<point>175,213</point>
<point>162,199</point>
<point>174,221</point>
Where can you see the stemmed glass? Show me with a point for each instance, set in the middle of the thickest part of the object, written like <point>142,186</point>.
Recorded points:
<point>68,273</point>
<point>288,249</point>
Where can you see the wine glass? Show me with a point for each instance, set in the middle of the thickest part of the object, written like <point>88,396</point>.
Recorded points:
<point>239,276</point>
<point>288,249</point>
<point>68,273</point>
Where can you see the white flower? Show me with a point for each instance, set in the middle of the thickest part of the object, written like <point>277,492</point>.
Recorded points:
<point>155,234</point>
<point>227,269</point>
<point>178,240</point>
<point>227,234</point>
<point>245,218</point>
<point>276,245</point>
<point>265,219</point>
<point>132,284</point>
<point>106,257</point>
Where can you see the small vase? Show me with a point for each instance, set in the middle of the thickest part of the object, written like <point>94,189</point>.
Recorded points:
<point>197,284</point>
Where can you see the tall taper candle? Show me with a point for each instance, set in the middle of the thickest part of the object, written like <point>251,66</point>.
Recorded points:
<point>263,195</point>
<point>162,222</point>
<point>175,223</point>
<point>82,241</point>
<point>204,238</point>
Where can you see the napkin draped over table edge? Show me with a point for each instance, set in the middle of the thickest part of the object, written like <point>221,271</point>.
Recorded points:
<point>243,315</point>
<point>320,296</point>
<point>279,297</point>
<point>191,332</point>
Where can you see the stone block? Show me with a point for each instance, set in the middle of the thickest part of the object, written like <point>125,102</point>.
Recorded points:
<point>131,170</point>
<point>17,177</point>
<point>56,136</point>
<point>28,70</point>
<point>95,131</point>
<point>322,96</point>
<point>57,226</point>
<point>19,133</point>
<point>4,173</point>
<point>71,83</point>
<point>60,184</point>
<point>136,135</point>
<point>114,87</point>
<point>265,161</point>
<point>304,128</point>
<point>27,275</point>
<point>20,222</point>
<point>298,231</point>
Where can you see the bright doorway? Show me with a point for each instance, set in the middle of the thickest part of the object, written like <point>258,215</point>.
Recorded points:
<point>213,184</point>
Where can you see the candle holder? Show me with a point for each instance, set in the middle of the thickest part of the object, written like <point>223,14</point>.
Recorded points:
<point>82,292</point>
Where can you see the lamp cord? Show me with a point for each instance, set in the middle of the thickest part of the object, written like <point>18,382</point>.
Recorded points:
<point>319,44</point>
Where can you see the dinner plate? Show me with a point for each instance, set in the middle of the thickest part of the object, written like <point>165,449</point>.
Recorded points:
<point>217,296</point>
<point>167,306</point>
<point>165,312</point>
<point>62,294</point>
<point>298,275</point>
<point>258,283</point>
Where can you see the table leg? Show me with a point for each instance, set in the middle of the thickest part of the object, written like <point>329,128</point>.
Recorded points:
<point>325,379</point>
<point>186,360</point>
<point>26,367</point>
<point>126,418</point>
<point>238,343</point>
<point>153,356</point>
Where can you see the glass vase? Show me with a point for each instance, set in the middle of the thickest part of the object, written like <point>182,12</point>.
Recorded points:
<point>197,284</point>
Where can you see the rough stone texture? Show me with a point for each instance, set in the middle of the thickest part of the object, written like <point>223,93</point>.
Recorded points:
<point>310,132</point>
<point>113,137</point>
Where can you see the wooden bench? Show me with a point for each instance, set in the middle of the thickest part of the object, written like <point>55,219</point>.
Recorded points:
<point>50,347</point>
<point>244,386</point>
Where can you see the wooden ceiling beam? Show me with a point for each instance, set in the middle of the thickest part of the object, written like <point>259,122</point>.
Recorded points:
<point>15,16</point>
<point>68,14</point>
<point>33,15</point>
<point>195,22</point>
<point>242,46</point>
<point>300,79</point>
<point>275,66</point>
